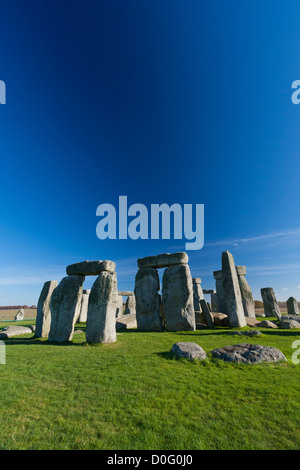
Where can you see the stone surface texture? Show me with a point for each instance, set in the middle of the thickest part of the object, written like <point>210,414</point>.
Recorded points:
<point>188,351</point>
<point>64,305</point>
<point>43,316</point>
<point>91,268</point>
<point>147,299</point>
<point>232,292</point>
<point>177,299</point>
<point>102,307</point>
<point>248,353</point>
<point>163,261</point>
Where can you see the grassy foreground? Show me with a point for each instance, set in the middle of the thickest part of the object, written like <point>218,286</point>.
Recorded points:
<point>135,395</point>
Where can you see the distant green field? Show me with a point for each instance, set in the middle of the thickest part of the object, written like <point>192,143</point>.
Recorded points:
<point>135,395</point>
<point>8,315</point>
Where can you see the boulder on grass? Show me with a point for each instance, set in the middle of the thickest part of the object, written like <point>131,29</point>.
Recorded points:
<point>248,354</point>
<point>188,351</point>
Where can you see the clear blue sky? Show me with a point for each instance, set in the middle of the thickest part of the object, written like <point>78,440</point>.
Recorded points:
<point>183,102</point>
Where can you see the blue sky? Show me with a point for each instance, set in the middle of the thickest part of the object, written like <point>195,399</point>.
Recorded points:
<point>183,102</point>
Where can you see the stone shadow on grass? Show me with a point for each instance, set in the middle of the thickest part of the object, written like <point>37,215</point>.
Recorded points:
<point>40,341</point>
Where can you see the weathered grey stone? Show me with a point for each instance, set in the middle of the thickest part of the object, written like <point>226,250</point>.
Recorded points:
<point>290,317</point>
<point>101,317</point>
<point>271,307</point>
<point>130,305</point>
<point>14,330</point>
<point>220,319</point>
<point>214,302</point>
<point>84,306</point>
<point>292,306</point>
<point>232,292</point>
<point>247,297</point>
<point>91,268</point>
<point>218,275</point>
<point>64,305</point>
<point>43,316</point>
<point>177,299</point>
<point>251,321</point>
<point>197,293</point>
<point>208,315</point>
<point>163,261</point>
<point>20,315</point>
<point>241,270</point>
<point>266,324</point>
<point>287,324</point>
<point>126,322</point>
<point>208,291</point>
<point>119,311</point>
<point>147,299</point>
<point>189,351</point>
<point>126,293</point>
<point>248,353</point>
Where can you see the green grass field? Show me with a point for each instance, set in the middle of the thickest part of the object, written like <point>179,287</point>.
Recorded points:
<point>135,395</point>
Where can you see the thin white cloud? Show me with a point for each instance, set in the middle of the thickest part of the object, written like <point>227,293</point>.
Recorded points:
<point>236,241</point>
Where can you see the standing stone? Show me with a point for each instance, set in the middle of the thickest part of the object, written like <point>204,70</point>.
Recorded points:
<point>43,317</point>
<point>84,306</point>
<point>177,299</point>
<point>271,307</point>
<point>232,292</point>
<point>130,306</point>
<point>20,314</point>
<point>64,305</point>
<point>101,317</point>
<point>214,302</point>
<point>147,299</point>
<point>247,297</point>
<point>208,315</point>
<point>119,311</point>
<point>197,293</point>
<point>292,306</point>
<point>218,275</point>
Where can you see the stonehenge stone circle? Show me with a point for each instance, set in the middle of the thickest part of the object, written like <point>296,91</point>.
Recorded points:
<point>232,292</point>
<point>218,275</point>
<point>90,268</point>
<point>43,317</point>
<point>64,304</point>
<point>271,307</point>
<point>197,293</point>
<point>84,305</point>
<point>163,261</point>
<point>177,299</point>
<point>292,306</point>
<point>247,297</point>
<point>101,316</point>
<point>147,299</point>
